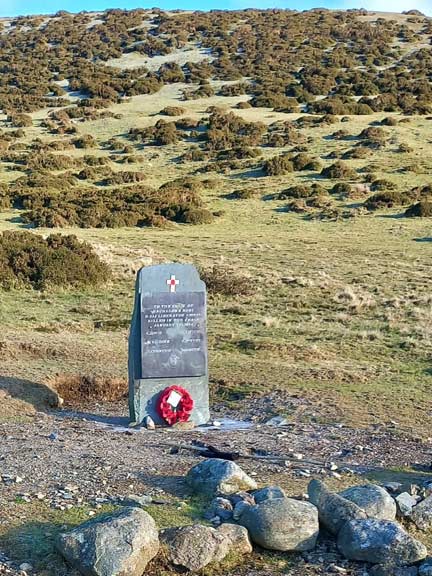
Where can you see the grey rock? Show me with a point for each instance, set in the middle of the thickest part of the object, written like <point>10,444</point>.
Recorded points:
<point>194,547</point>
<point>405,504</point>
<point>241,497</point>
<point>379,542</point>
<point>239,508</point>
<point>393,487</point>
<point>136,500</point>
<point>234,538</point>
<point>333,509</point>
<point>216,476</point>
<point>220,507</point>
<point>269,493</point>
<point>282,524</point>
<point>374,500</point>
<point>118,544</point>
<point>422,514</point>
<point>277,421</point>
<point>425,569</point>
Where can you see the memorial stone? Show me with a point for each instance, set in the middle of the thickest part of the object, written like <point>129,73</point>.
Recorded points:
<point>168,342</point>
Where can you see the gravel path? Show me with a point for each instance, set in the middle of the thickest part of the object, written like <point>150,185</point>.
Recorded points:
<point>68,459</point>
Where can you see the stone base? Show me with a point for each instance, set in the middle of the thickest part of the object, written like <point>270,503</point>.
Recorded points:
<point>144,394</point>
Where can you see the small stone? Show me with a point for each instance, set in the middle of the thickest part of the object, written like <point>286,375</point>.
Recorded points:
<point>268,493</point>
<point>220,508</point>
<point>239,508</point>
<point>405,503</point>
<point>135,500</point>
<point>26,567</point>
<point>148,423</point>
<point>298,456</point>
<point>393,487</point>
<point>277,421</point>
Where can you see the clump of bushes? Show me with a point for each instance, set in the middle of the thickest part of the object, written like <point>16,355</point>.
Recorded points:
<point>172,111</point>
<point>226,281</point>
<point>422,209</point>
<point>278,165</point>
<point>302,191</point>
<point>123,178</point>
<point>137,205</point>
<point>386,199</point>
<point>85,141</point>
<point>245,194</point>
<point>339,170</point>
<point>383,184</point>
<point>20,120</point>
<point>30,261</point>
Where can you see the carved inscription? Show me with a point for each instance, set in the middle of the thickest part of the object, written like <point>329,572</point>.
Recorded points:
<point>173,335</point>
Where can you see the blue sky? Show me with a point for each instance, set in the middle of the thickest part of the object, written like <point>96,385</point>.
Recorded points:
<point>16,7</point>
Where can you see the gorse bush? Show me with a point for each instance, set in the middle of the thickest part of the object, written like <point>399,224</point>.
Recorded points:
<point>30,261</point>
<point>136,205</point>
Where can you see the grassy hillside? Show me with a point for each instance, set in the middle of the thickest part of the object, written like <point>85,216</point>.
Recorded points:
<point>276,150</point>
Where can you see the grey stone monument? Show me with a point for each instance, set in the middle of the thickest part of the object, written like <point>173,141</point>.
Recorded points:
<point>168,340</point>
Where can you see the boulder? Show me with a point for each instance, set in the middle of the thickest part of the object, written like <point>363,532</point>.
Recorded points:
<point>425,569</point>
<point>372,499</point>
<point>379,542</point>
<point>234,539</point>
<point>422,514</point>
<point>117,544</point>
<point>282,524</point>
<point>194,547</point>
<point>333,509</point>
<point>268,493</point>
<point>215,476</point>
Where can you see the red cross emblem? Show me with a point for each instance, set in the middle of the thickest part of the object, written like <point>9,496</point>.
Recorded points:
<point>173,283</point>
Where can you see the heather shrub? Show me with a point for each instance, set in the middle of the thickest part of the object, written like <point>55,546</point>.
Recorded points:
<point>422,209</point>
<point>382,184</point>
<point>278,165</point>
<point>225,281</point>
<point>339,170</point>
<point>386,199</point>
<point>172,111</point>
<point>30,261</point>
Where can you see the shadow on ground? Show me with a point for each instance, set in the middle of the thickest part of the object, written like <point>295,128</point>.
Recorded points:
<point>17,396</point>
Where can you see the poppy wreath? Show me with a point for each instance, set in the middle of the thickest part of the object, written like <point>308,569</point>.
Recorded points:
<point>182,412</point>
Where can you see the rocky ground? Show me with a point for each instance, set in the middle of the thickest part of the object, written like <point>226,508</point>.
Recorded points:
<point>91,458</point>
